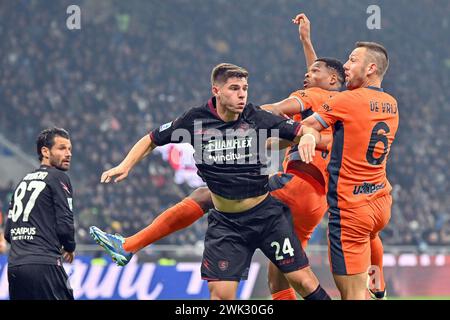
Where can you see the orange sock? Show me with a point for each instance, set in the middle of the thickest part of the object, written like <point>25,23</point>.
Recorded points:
<point>173,219</point>
<point>287,294</point>
<point>376,248</point>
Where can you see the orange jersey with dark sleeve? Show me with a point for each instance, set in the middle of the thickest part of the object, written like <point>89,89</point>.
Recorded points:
<point>365,122</point>
<point>310,100</point>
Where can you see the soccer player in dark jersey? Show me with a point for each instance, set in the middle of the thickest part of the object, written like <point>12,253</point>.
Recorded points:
<point>40,224</point>
<point>227,135</point>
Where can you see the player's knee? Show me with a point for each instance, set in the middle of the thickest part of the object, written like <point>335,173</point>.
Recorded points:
<point>221,293</point>
<point>303,280</point>
<point>202,196</point>
<point>309,282</point>
<point>222,296</point>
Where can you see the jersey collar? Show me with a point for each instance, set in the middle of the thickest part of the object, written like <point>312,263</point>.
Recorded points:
<point>375,88</point>
<point>212,107</point>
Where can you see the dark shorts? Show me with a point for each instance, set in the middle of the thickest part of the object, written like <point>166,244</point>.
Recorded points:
<point>232,238</point>
<point>39,282</point>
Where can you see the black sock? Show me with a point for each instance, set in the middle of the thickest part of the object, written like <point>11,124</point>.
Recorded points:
<point>379,294</point>
<point>318,294</point>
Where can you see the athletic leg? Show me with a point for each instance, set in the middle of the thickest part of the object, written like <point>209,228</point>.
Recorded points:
<point>177,217</point>
<point>223,290</point>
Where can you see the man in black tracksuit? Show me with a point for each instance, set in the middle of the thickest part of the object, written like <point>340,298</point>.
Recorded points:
<point>40,224</point>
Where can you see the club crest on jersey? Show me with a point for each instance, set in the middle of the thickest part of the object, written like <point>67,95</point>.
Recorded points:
<point>66,188</point>
<point>326,107</point>
<point>165,126</point>
<point>223,265</point>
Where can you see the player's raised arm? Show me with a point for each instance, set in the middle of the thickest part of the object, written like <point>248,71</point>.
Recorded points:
<point>139,151</point>
<point>304,30</point>
<point>177,131</point>
<point>285,108</point>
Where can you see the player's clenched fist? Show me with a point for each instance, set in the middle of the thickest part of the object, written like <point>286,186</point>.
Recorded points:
<point>68,256</point>
<point>120,171</point>
<point>306,147</point>
<point>304,26</point>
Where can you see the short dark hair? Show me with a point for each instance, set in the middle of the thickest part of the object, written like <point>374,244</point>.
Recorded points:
<point>378,53</point>
<point>47,139</point>
<point>223,71</point>
<point>336,65</point>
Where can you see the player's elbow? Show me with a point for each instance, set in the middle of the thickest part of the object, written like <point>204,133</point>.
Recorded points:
<point>148,142</point>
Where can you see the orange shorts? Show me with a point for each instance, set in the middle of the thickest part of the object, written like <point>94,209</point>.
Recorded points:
<point>350,232</point>
<point>306,199</point>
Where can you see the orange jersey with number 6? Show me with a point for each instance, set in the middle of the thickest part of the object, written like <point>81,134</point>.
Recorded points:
<point>365,122</point>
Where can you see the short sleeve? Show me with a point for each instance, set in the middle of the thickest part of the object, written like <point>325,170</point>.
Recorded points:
<point>173,131</point>
<point>333,110</point>
<point>306,99</point>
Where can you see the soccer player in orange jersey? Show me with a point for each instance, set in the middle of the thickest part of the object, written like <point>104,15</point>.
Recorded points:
<point>365,121</point>
<point>302,186</point>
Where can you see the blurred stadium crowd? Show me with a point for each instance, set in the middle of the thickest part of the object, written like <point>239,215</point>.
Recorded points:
<point>139,64</point>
